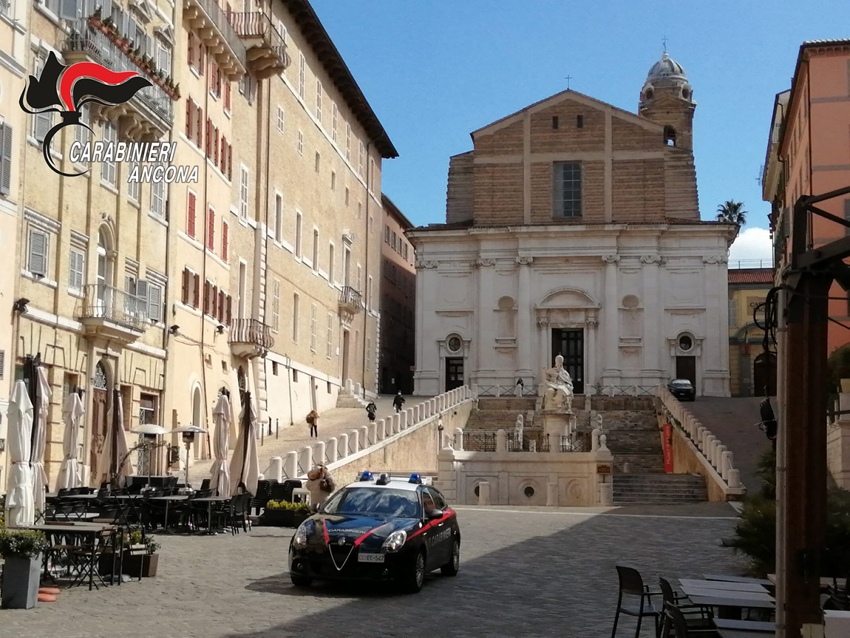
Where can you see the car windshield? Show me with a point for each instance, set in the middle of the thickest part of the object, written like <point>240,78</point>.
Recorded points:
<point>374,502</point>
<point>681,383</point>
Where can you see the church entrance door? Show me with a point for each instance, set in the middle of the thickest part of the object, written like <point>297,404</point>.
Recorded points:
<point>569,343</point>
<point>686,368</point>
<point>454,372</point>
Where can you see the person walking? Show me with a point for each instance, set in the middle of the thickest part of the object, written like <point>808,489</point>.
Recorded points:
<point>371,409</point>
<point>320,484</point>
<point>313,421</point>
<point>398,401</point>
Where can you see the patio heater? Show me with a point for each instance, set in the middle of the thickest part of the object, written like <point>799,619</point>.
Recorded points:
<point>189,432</point>
<point>149,430</point>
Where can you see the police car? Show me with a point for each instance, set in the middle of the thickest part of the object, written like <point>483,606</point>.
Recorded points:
<point>378,529</point>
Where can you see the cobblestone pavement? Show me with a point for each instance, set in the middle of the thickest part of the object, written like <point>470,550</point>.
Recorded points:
<point>293,438</point>
<point>733,421</point>
<point>530,572</point>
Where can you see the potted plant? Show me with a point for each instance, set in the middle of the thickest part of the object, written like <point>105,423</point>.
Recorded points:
<point>22,550</point>
<point>278,514</point>
<point>140,555</point>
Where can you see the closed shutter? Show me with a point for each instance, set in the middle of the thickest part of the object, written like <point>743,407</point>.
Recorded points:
<point>5,159</point>
<point>201,58</point>
<point>215,146</point>
<point>38,253</point>
<point>185,291</point>
<point>214,301</point>
<point>191,49</point>
<point>229,314</point>
<point>190,220</point>
<point>43,122</point>
<point>155,303</point>
<point>223,159</point>
<point>189,116</point>
<point>221,302</point>
<point>230,163</point>
<point>206,297</point>
<point>224,230</point>
<point>211,230</point>
<point>196,291</point>
<point>209,136</point>
<point>200,130</point>
<point>227,95</point>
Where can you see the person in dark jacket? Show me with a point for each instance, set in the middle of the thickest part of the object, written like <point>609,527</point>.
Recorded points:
<point>398,401</point>
<point>371,409</point>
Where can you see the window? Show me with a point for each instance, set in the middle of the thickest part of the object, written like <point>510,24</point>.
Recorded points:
<point>6,157</point>
<point>211,229</point>
<point>77,270</point>
<point>224,239</point>
<point>154,302</point>
<point>296,300</point>
<point>368,352</point>
<point>347,195</point>
<point>227,95</point>
<point>190,215</point>
<point>567,189</point>
<point>158,198</point>
<point>243,194</point>
<point>280,120</point>
<point>276,306</point>
<point>39,245</point>
<point>313,326</point>
<point>298,222</point>
<point>274,368</point>
<point>369,293</point>
<point>191,50</point>
<point>348,142</point>
<point>359,278</point>
<point>318,162</point>
<point>278,217</point>
<point>41,122</point>
<point>147,409</point>
<point>132,186</point>
<point>81,133</point>
<point>733,313</point>
<point>329,350</point>
<point>163,57</point>
<point>107,169</point>
<point>554,121</point>
<point>299,143</point>
<point>333,180</point>
<point>334,120</point>
<point>361,161</point>
<point>319,101</point>
<point>331,263</point>
<point>302,75</point>
<point>579,121</point>
<point>315,249</point>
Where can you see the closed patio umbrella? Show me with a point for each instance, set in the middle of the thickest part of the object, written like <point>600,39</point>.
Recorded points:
<point>19,498</point>
<point>219,472</point>
<point>115,447</point>
<point>245,464</point>
<point>72,413</point>
<point>39,477</point>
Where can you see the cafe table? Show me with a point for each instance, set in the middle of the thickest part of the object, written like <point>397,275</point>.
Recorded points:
<point>210,500</point>
<point>749,626</point>
<point>84,531</point>
<point>694,583</point>
<point>168,500</point>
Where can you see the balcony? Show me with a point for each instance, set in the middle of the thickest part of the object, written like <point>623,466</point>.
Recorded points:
<point>211,23</point>
<point>146,117</point>
<point>113,314</point>
<point>349,303</point>
<point>250,338</point>
<point>266,49</point>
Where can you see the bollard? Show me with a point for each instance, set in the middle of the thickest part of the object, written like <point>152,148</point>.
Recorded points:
<point>606,494</point>
<point>342,447</point>
<point>305,460</point>
<point>710,448</point>
<point>501,441</point>
<point>734,478</point>
<point>373,433</point>
<point>551,495</point>
<point>726,465</point>
<point>331,450</point>
<point>416,413</point>
<point>483,493</point>
<point>458,439</point>
<point>718,456</point>
<point>354,439</point>
<point>382,429</point>
<point>364,437</point>
<point>276,469</point>
<point>290,466</point>
<point>319,452</point>
<point>403,420</point>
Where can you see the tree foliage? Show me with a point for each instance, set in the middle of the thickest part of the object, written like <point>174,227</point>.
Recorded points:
<point>732,212</point>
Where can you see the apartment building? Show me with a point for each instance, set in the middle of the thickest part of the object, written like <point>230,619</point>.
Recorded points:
<point>752,371</point>
<point>257,270</point>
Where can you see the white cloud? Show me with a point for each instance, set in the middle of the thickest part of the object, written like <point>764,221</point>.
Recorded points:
<point>752,244</point>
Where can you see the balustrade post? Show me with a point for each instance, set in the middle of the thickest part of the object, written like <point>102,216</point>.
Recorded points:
<point>364,437</point>
<point>354,441</point>
<point>319,452</point>
<point>501,441</point>
<point>305,461</point>
<point>342,449</point>
<point>458,439</point>
<point>290,465</point>
<point>276,469</point>
<point>373,433</point>
<point>718,457</point>
<point>332,450</point>
<point>734,480</point>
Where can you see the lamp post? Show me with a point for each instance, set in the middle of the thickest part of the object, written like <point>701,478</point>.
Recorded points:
<point>189,432</point>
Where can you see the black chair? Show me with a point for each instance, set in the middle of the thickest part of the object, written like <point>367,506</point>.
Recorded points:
<point>838,598</point>
<point>675,620</point>
<point>205,484</point>
<point>631,584</point>
<point>697,617</point>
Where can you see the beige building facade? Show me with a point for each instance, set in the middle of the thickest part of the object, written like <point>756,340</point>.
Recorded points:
<point>259,274</point>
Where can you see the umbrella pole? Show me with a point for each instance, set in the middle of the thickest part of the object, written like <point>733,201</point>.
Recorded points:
<point>246,405</point>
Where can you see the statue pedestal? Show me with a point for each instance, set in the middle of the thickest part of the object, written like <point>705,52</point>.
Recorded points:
<point>554,423</point>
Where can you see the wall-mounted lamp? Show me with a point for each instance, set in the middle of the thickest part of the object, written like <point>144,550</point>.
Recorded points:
<point>220,328</point>
<point>173,329</point>
<point>20,305</point>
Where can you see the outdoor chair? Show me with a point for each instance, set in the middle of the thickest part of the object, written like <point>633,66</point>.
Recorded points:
<point>86,559</point>
<point>631,584</point>
<point>675,621</point>
<point>205,484</point>
<point>838,598</point>
<point>697,617</point>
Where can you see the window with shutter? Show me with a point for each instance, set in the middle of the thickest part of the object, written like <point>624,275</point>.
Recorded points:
<point>224,240</point>
<point>190,117</point>
<point>221,303</point>
<point>214,302</point>
<point>209,136</point>
<point>229,315</point>
<point>329,351</point>
<point>207,287</point>
<point>196,291</point>
<point>223,157</point>
<point>6,159</point>
<point>190,219</point>
<point>201,58</point>
<point>158,198</point>
<point>230,162</point>
<point>76,270</point>
<point>191,49</point>
<point>276,306</point>
<point>199,131</point>
<point>227,97</point>
<point>215,145</point>
<point>38,245</point>
<point>313,326</point>
<point>211,229</point>
<point>2,363</point>
<point>185,291</point>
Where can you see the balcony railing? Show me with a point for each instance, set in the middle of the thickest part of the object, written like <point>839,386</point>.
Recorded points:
<point>254,24</point>
<point>220,20</point>
<point>103,51</point>
<point>117,306</point>
<point>251,331</point>
<point>348,296</point>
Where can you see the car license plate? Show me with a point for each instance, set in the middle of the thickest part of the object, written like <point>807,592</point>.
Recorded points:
<point>370,558</point>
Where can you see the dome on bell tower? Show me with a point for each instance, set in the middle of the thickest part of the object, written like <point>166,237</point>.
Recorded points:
<point>668,77</point>
<point>668,99</point>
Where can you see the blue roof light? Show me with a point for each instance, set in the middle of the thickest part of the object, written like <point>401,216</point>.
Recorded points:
<point>366,476</point>
<point>415,478</point>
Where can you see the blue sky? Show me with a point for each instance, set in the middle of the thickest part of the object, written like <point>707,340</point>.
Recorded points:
<point>435,71</point>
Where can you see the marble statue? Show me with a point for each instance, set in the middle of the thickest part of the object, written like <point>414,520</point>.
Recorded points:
<point>558,393</point>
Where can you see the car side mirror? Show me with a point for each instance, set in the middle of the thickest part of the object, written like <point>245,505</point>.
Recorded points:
<point>434,514</point>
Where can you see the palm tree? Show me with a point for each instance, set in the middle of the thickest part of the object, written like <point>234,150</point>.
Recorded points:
<point>732,212</point>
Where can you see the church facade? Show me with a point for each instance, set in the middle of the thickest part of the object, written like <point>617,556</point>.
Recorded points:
<point>573,228</point>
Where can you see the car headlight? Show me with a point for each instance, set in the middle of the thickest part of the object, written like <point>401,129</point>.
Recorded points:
<point>394,541</point>
<point>299,541</point>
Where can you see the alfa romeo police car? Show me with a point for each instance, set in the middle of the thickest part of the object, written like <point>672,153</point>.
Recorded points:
<point>378,529</point>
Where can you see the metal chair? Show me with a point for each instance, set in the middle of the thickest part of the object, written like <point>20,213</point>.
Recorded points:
<point>675,620</point>
<point>631,584</point>
<point>697,617</point>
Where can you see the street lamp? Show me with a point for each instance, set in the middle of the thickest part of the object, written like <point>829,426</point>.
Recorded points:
<point>189,432</point>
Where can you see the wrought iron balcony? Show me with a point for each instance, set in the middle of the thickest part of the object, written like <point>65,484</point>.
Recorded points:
<point>349,300</point>
<point>113,313</point>
<point>216,31</point>
<point>146,117</point>
<point>250,338</point>
<point>266,49</point>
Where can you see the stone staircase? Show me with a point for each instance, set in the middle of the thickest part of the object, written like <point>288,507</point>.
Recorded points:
<point>634,439</point>
<point>347,399</point>
<point>659,489</point>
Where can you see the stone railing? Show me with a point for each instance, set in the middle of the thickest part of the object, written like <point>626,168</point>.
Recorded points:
<point>499,390</point>
<point>365,439</point>
<point>619,390</point>
<point>715,457</point>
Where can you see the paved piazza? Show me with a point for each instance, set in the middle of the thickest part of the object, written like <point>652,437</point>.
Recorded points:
<point>532,572</point>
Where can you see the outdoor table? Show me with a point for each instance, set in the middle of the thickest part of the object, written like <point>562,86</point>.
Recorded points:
<point>825,581</point>
<point>752,626</point>
<point>738,579</point>
<point>743,633</point>
<point>714,584</point>
<point>725,593</point>
<point>210,500</point>
<point>727,605</point>
<point>168,499</point>
<point>82,530</point>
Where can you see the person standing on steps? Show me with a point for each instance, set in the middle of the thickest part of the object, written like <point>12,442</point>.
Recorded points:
<point>313,422</point>
<point>398,401</point>
<point>371,409</point>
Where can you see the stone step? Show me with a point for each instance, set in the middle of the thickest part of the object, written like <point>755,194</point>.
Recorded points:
<point>659,488</point>
<point>512,404</point>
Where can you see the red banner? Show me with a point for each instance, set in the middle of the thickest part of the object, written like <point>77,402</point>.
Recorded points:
<point>668,448</point>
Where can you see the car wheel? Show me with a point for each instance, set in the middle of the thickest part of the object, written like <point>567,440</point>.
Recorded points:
<point>415,575</point>
<point>451,568</point>
<point>300,581</point>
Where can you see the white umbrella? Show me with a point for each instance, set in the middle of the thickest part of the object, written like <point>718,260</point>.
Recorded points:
<point>19,499</point>
<point>219,473</point>
<point>39,477</point>
<point>245,464</point>
<point>116,443</point>
<point>72,412</point>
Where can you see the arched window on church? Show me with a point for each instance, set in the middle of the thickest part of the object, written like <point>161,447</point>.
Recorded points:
<point>669,136</point>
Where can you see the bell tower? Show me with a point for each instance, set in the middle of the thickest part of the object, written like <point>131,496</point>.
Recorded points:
<point>668,99</point>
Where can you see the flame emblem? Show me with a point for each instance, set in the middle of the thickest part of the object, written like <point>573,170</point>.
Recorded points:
<point>66,89</point>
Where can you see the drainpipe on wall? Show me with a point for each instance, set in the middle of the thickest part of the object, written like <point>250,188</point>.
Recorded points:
<point>203,280</point>
<point>366,278</point>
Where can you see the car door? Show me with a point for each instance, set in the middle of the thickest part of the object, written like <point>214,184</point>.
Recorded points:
<point>441,533</point>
